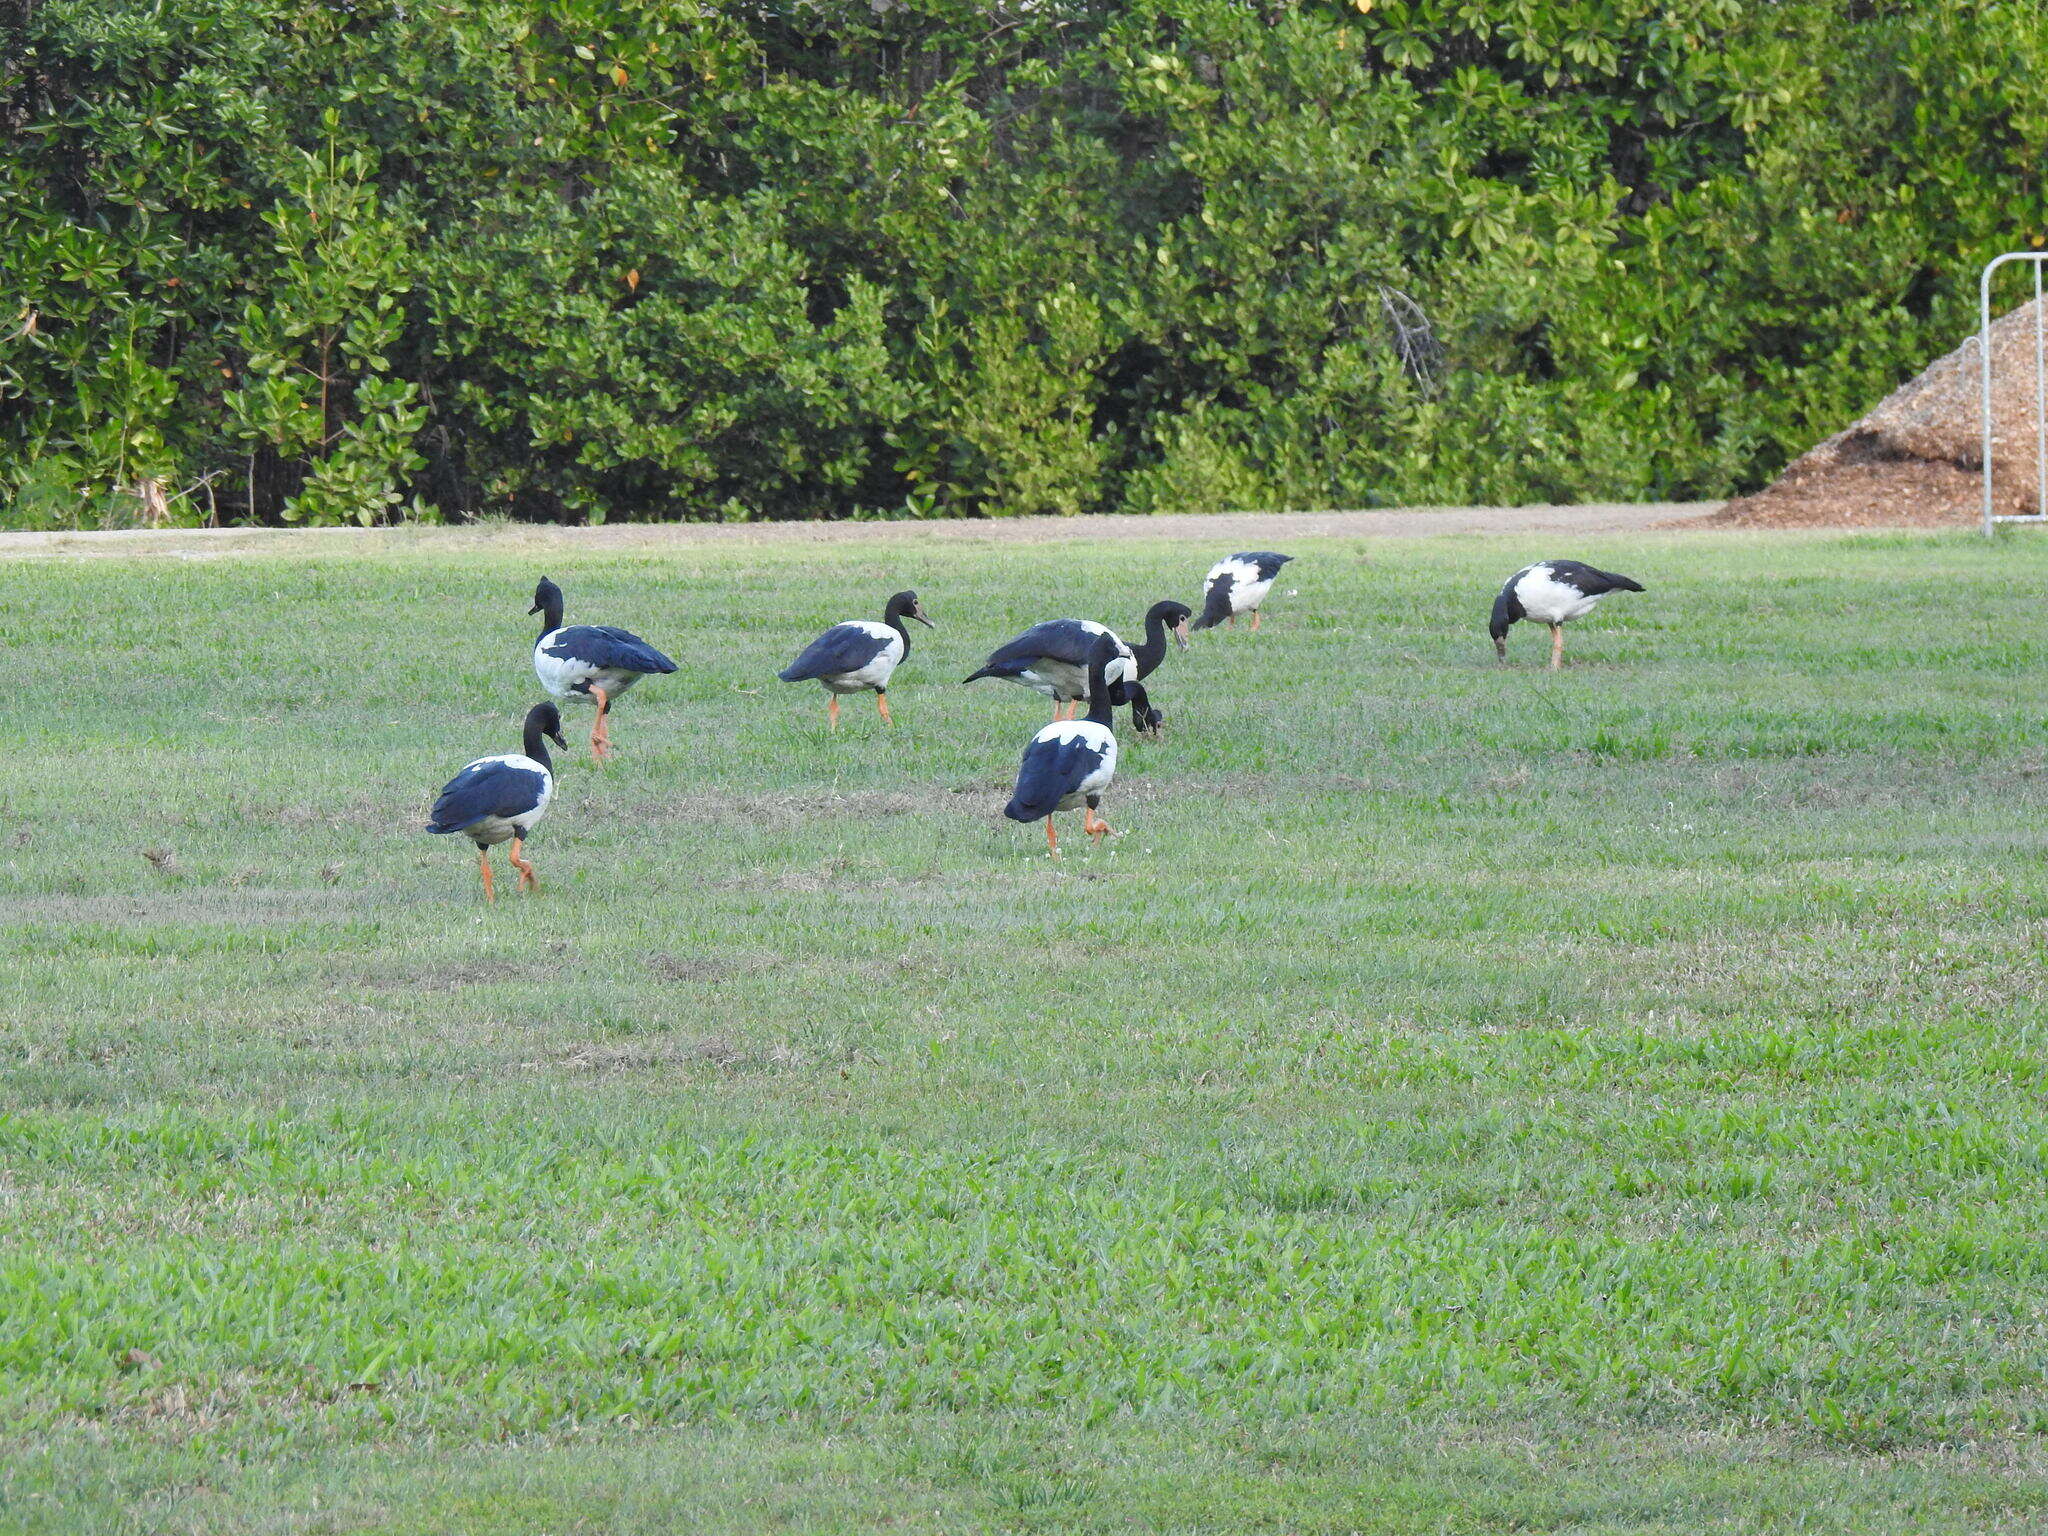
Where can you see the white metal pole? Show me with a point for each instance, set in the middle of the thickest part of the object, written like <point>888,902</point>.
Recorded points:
<point>2040,402</point>
<point>1984,370</point>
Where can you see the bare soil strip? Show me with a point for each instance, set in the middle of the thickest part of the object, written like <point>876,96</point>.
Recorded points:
<point>1236,530</point>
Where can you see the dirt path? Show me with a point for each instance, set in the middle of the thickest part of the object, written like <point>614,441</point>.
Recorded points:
<point>1237,530</point>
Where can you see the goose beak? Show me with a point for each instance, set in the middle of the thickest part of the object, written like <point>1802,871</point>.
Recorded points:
<point>534,609</point>
<point>917,613</point>
<point>1180,634</point>
<point>557,738</point>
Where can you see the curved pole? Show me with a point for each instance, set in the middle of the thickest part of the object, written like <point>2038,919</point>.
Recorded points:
<point>1984,373</point>
<point>1991,267</point>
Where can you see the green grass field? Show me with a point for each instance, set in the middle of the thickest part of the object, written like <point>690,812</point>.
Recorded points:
<point>1462,1099</point>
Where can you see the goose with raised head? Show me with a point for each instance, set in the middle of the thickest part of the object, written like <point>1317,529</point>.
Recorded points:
<point>498,799</point>
<point>589,661</point>
<point>859,655</point>
<point>1052,657</point>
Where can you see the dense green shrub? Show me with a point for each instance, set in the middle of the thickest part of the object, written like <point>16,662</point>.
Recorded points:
<point>284,260</point>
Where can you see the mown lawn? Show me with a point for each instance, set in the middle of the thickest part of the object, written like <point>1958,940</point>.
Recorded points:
<point>1462,1100</point>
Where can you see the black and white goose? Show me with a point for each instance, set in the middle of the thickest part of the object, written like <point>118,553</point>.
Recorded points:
<point>859,654</point>
<point>1238,585</point>
<point>1052,658</point>
<point>1071,762</point>
<point>1553,592</point>
<point>591,661</point>
<point>498,799</point>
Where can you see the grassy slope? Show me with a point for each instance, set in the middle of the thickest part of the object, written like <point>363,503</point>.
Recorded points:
<point>1463,1100</point>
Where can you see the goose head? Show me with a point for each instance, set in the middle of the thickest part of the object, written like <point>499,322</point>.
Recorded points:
<point>904,605</point>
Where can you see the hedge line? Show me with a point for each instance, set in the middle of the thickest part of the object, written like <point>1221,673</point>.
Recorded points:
<point>586,259</point>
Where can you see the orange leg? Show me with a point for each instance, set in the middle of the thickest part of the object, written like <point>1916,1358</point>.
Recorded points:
<point>1556,646</point>
<point>600,735</point>
<point>1052,839</point>
<point>882,704</point>
<point>527,880</point>
<point>1255,621</point>
<point>832,709</point>
<point>1233,621</point>
<point>484,862</point>
<point>1094,825</point>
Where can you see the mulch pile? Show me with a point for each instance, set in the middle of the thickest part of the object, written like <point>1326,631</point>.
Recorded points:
<point>1917,459</point>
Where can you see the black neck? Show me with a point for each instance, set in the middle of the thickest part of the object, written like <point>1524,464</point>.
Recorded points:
<point>1153,651</point>
<point>551,616</point>
<point>895,621</point>
<point>537,745</point>
<point>1098,694</point>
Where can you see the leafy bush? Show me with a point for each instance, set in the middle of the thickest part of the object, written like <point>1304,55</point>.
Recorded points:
<point>283,261</point>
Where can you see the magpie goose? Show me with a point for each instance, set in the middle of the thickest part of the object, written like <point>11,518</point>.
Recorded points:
<point>1052,658</point>
<point>1071,762</point>
<point>591,661</point>
<point>859,654</point>
<point>1554,593</point>
<point>498,799</point>
<point>1238,585</point>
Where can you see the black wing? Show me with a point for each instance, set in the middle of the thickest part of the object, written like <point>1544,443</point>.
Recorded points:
<point>485,789</point>
<point>1050,770</point>
<point>603,646</point>
<point>1061,639</point>
<point>1216,604</point>
<point>842,648</point>
<point>1590,580</point>
<point>1268,563</point>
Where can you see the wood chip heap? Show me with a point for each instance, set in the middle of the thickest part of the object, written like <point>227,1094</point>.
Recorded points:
<point>1917,458</point>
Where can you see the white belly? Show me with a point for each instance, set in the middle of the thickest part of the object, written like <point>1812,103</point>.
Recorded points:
<point>1247,595</point>
<point>1247,587</point>
<point>874,675</point>
<point>1064,681</point>
<point>1060,679</point>
<point>567,678</point>
<point>493,830</point>
<point>1552,602</point>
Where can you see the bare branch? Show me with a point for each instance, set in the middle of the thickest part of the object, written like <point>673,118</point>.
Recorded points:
<point>1414,338</point>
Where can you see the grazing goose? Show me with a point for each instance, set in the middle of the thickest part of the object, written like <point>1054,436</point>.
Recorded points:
<point>1239,585</point>
<point>498,799</point>
<point>1554,593</point>
<point>591,661</point>
<point>1052,657</point>
<point>859,654</point>
<point>1145,720</point>
<point>1071,762</point>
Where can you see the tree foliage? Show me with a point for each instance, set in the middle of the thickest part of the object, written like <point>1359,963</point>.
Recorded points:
<point>586,259</point>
